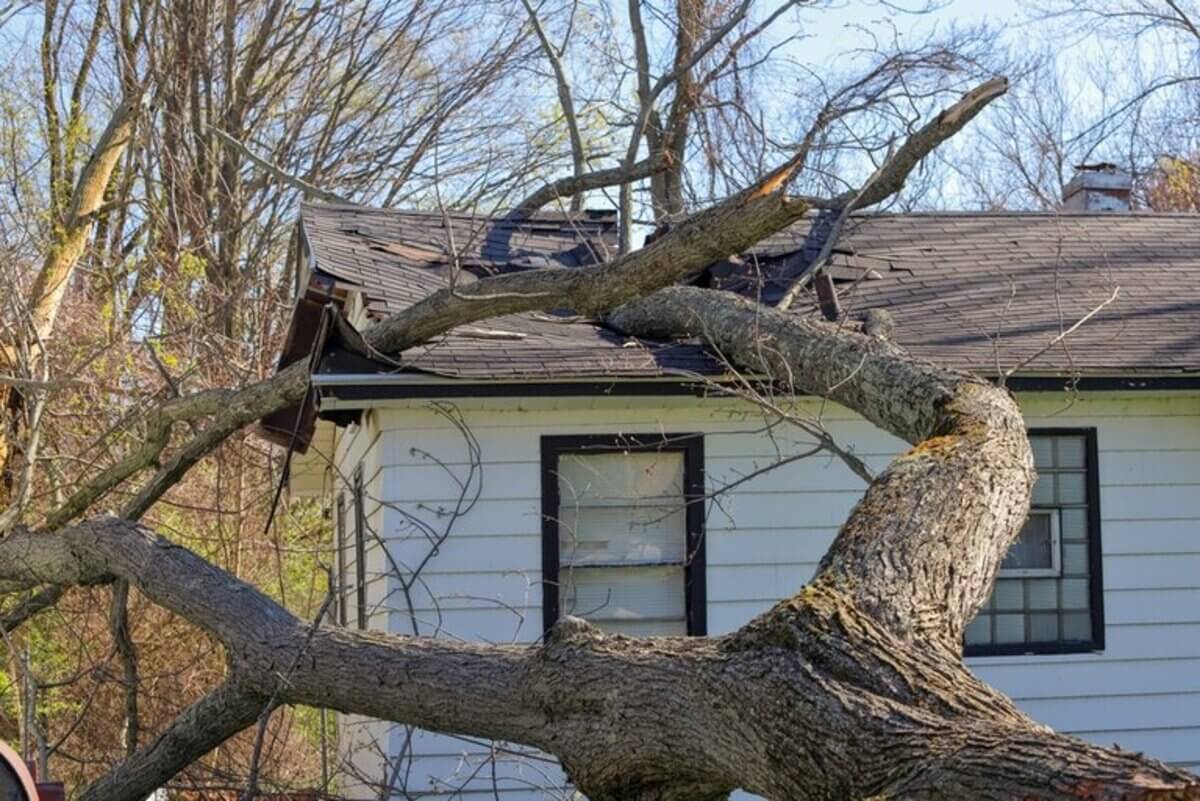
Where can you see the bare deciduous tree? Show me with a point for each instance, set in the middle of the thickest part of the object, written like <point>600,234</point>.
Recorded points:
<point>852,688</point>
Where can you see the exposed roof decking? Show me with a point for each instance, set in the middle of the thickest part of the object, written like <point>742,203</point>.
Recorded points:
<point>972,290</point>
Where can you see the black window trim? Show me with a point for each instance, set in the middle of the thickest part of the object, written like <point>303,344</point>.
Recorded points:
<point>340,581</point>
<point>1095,562</point>
<point>360,548</point>
<point>692,447</point>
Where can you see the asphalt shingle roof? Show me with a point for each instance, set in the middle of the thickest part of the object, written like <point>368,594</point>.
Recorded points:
<point>971,290</point>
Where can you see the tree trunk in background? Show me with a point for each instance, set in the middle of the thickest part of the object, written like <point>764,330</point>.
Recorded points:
<point>671,138</point>
<point>68,241</point>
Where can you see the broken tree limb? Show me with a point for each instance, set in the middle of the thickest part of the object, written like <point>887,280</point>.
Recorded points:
<point>852,688</point>
<point>45,298</point>
<point>598,179</point>
<point>67,244</point>
<point>841,691</point>
<point>727,228</point>
<point>942,516</point>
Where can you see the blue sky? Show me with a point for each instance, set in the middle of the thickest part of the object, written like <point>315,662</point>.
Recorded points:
<point>836,28</point>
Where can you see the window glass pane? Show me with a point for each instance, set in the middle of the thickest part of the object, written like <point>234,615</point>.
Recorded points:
<point>1071,488</point>
<point>1043,490</point>
<point>1034,548</point>
<point>1043,451</point>
<point>1075,593</point>
<point>603,479</point>
<point>1070,451</point>
<point>1074,524</point>
<point>616,534</point>
<point>979,631</point>
<point>1043,593</point>
<point>1010,628</point>
<point>623,593</point>
<point>1008,594</point>
<point>1043,627</point>
<point>1077,626</point>
<point>1075,560</point>
<point>645,628</point>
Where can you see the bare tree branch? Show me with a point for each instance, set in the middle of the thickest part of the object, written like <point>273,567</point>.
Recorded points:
<point>599,179</point>
<point>309,190</point>
<point>565,101</point>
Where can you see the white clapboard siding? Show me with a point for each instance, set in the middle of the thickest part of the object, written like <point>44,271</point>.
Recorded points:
<point>360,739</point>
<point>481,574</point>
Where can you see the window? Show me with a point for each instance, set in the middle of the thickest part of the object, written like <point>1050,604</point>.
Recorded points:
<point>1048,596</point>
<point>1038,551</point>
<point>360,548</point>
<point>341,581</point>
<point>622,532</point>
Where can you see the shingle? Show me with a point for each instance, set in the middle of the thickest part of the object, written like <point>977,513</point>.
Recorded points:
<point>961,286</point>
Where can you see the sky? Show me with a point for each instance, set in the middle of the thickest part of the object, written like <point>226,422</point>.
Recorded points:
<point>838,27</point>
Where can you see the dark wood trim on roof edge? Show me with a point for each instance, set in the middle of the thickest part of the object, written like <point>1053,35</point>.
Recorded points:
<point>547,389</point>
<point>1101,383</point>
<point>616,387</point>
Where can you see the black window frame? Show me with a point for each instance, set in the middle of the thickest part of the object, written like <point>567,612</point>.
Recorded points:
<point>691,445</point>
<point>360,549</point>
<point>340,582</point>
<point>1095,561</point>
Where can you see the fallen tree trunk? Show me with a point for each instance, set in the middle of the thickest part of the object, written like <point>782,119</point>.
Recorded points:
<point>854,688</point>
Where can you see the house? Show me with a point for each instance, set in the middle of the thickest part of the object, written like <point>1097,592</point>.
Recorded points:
<point>538,464</point>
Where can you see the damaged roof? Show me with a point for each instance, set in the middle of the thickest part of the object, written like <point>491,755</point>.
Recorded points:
<point>980,291</point>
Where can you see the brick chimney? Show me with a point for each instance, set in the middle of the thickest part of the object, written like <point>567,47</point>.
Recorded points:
<point>1098,187</point>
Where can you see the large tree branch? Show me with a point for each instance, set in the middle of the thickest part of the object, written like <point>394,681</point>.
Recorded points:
<point>730,227</point>
<point>852,688</point>
<point>813,700</point>
<point>68,240</point>
<point>598,179</point>
<point>889,178</point>
<point>200,728</point>
<point>51,283</point>
<point>921,549</point>
<point>230,410</point>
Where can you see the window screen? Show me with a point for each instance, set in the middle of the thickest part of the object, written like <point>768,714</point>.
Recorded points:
<point>1047,594</point>
<point>624,535</point>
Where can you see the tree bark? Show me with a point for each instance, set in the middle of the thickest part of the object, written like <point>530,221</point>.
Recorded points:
<point>68,240</point>
<point>844,690</point>
<point>853,688</point>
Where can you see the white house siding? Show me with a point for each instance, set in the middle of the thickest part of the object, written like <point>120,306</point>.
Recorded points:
<point>765,538</point>
<point>361,741</point>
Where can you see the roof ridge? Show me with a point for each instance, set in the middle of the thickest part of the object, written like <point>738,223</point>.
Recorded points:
<point>594,215</point>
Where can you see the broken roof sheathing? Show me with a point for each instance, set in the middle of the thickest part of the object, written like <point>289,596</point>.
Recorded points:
<point>979,291</point>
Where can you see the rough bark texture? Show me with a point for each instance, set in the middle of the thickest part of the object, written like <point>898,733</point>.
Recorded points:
<point>835,693</point>
<point>854,688</point>
<point>953,504</point>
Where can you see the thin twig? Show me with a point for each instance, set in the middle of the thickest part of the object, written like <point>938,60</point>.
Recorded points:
<point>1115,294</point>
